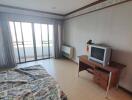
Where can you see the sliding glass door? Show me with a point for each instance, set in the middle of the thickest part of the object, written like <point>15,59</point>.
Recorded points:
<point>32,41</point>
<point>44,40</point>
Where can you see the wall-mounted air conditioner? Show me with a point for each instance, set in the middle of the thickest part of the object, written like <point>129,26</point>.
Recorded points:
<point>67,51</point>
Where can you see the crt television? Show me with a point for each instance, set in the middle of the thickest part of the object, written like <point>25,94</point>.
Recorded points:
<point>100,54</point>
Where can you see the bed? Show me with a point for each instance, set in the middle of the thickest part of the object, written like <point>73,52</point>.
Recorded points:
<point>30,83</point>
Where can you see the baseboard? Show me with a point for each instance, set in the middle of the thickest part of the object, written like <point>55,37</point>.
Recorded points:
<point>74,61</point>
<point>126,90</point>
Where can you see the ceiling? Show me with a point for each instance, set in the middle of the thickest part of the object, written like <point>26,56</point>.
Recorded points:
<point>54,6</point>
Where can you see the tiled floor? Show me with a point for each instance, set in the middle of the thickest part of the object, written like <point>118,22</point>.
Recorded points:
<point>65,73</point>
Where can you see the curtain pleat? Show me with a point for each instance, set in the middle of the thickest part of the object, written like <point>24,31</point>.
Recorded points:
<point>57,39</point>
<point>7,57</point>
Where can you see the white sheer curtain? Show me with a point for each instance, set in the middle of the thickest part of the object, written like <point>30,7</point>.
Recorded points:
<point>7,58</point>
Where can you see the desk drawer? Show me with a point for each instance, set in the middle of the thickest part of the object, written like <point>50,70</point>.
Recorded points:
<point>102,75</point>
<point>103,83</point>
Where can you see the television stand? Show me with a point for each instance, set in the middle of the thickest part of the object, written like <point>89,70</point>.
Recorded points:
<point>107,77</point>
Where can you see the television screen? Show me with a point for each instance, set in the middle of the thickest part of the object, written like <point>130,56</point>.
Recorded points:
<point>97,53</point>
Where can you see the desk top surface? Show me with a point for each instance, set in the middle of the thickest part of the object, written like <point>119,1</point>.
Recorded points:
<point>113,66</point>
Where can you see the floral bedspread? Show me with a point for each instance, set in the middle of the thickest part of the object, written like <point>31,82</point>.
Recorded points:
<point>30,83</point>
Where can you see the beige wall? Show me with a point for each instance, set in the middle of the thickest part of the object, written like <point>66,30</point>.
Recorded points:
<point>112,26</point>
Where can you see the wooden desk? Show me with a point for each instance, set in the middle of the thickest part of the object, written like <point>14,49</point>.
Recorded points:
<point>88,65</point>
<point>107,77</point>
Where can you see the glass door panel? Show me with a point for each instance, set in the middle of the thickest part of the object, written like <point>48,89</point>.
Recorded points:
<point>28,40</point>
<point>22,41</point>
<point>51,45</point>
<point>14,39</point>
<point>19,41</point>
<point>45,39</point>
